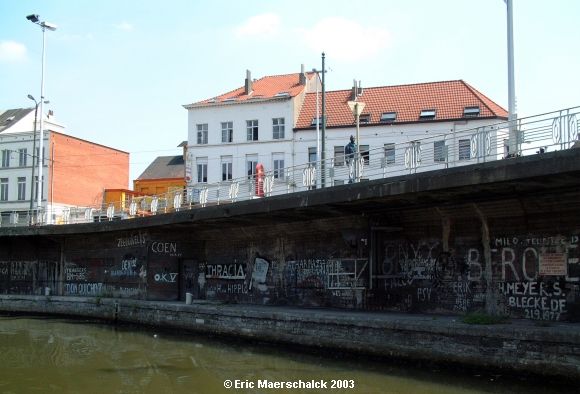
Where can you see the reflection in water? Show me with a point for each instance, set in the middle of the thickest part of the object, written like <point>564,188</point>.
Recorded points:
<point>62,356</point>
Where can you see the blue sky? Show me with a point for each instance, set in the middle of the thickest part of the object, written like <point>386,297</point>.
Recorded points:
<point>118,72</point>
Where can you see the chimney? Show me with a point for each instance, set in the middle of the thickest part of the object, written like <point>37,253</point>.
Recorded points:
<point>357,90</point>
<point>249,87</point>
<point>302,77</point>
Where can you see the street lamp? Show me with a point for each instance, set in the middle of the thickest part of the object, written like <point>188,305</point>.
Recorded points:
<point>357,107</point>
<point>44,26</point>
<point>318,157</point>
<point>513,133</point>
<point>34,147</point>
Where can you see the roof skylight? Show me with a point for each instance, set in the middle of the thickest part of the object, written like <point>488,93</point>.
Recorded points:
<point>471,111</point>
<point>388,116</point>
<point>427,114</point>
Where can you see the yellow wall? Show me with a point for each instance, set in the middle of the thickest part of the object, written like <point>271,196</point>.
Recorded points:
<point>119,197</point>
<point>158,186</point>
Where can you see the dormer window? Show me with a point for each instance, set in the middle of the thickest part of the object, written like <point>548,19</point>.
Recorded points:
<point>282,94</point>
<point>427,114</point>
<point>365,118</point>
<point>388,117</point>
<point>471,111</point>
<point>229,100</point>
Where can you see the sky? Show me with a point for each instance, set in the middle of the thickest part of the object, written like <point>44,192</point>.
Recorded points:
<point>119,72</point>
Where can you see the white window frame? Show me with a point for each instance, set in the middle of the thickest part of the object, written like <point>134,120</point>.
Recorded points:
<point>3,189</point>
<point>227,132</point>
<point>464,149</point>
<point>202,129</point>
<point>5,158</point>
<point>201,169</point>
<point>252,130</point>
<point>390,153</point>
<point>227,168</point>
<point>278,165</point>
<point>21,188</point>
<point>439,155</point>
<point>312,154</point>
<point>278,128</point>
<point>22,157</point>
<point>365,153</point>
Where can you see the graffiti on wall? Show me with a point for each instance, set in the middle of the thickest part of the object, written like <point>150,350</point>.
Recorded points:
<point>28,277</point>
<point>132,240</point>
<point>530,274</point>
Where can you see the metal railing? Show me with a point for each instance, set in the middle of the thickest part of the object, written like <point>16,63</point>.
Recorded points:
<point>533,135</point>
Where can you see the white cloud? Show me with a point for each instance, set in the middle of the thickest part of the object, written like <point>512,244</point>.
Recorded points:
<point>263,25</point>
<point>125,26</point>
<point>12,51</point>
<point>344,39</point>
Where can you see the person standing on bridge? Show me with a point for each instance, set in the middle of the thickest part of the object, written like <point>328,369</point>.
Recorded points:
<point>349,156</point>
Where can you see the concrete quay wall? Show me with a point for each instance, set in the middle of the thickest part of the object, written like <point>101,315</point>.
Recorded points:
<point>517,346</point>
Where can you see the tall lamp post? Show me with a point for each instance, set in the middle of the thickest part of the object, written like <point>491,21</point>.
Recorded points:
<point>357,107</point>
<point>323,133</point>
<point>43,26</point>
<point>33,151</point>
<point>513,132</point>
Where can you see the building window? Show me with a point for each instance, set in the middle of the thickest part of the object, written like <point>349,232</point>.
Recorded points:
<point>201,170</point>
<point>252,129</point>
<point>21,188</point>
<point>278,128</point>
<point>471,111</point>
<point>427,114</point>
<point>202,133</point>
<point>227,168</point>
<point>227,131</point>
<point>318,121</point>
<point>364,118</point>
<point>365,153</point>
<point>338,156</point>
<point>251,163</point>
<point>439,151</point>
<point>464,149</point>
<point>390,153</point>
<point>22,157</point>
<point>278,161</point>
<point>37,154</point>
<point>387,117</point>
<point>312,155</point>
<point>3,189</point>
<point>5,158</point>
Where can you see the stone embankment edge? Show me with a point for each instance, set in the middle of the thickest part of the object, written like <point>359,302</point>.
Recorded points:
<point>520,346</point>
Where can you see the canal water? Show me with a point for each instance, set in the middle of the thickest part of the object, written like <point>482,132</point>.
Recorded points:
<point>49,355</point>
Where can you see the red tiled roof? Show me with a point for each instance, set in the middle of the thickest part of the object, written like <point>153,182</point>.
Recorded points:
<point>448,98</point>
<point>264,88</point>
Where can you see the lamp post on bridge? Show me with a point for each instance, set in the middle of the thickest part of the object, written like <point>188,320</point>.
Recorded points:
<point>357,107</point>
<point>514,140</point>
<point>43,26</point>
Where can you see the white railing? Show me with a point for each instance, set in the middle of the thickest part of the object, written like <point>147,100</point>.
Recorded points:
<point>533,135</point>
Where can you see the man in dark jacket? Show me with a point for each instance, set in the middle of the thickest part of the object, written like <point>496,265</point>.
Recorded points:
<point>349,156</point>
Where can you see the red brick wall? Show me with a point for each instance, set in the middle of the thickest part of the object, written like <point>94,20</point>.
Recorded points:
<point>81,170</point>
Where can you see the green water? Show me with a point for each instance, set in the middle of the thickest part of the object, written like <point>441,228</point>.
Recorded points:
<point>47,355</point>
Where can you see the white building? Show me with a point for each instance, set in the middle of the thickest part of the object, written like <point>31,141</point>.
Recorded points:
<point>19,152</point>
<point>229,134</point>
<point>403,128</point>
<point>71,181</point>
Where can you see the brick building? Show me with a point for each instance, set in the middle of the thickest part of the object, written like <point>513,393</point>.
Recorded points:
<point>75,171</point>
